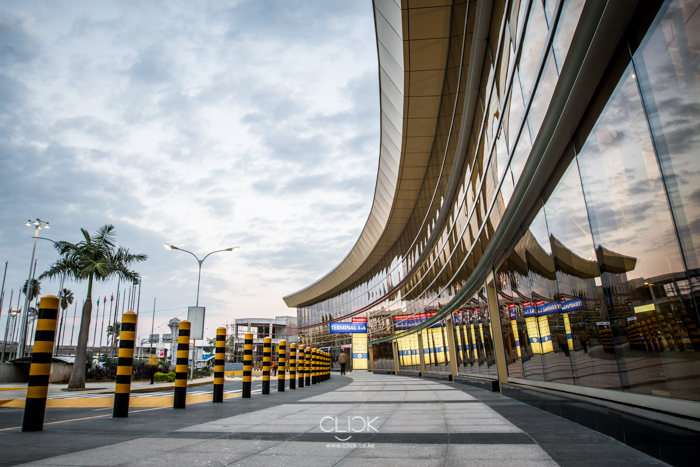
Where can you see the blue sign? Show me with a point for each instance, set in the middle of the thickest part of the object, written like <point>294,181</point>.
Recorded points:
<point>571,305</point>
<point>348,327</point>
<point>548,309</point>
<point>529,310</point>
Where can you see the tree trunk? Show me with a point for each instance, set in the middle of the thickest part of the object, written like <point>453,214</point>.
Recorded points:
<point>77,377</point>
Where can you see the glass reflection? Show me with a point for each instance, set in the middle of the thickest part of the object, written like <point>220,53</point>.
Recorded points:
<point>645,288</point>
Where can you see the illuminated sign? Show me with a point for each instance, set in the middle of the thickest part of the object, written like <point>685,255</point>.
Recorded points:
<point>348,327</point>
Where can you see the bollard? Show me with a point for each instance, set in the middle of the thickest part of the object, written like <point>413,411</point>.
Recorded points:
<point>181,365</point>
<point>301,365</point>
<point>292,366</point>
<point>313,366</point>
<point>219,365</point>
<point>125,362</point>
<point>247,365</point>
<point>281,366</point>
<point>325,366</point>
<point>267,352</point>
<point>307,366</point>
<point>40,369</point>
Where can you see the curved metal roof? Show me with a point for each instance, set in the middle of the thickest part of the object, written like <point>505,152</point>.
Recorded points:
<point>412,44</point>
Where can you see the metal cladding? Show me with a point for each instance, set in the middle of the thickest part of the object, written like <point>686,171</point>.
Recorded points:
<point>267,358</point>
<point>281,366</point>
<point>40,369</point>
<point>219,364</point>
<point>307,366</point>
<point>181,365</point>
<point>302,365</point>
<point>292,366</point>
<point>247,365</point>
<point>125,362</point>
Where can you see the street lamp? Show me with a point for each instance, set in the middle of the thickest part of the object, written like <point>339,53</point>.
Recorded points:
<point>199,261</point>
<point>38,224</point>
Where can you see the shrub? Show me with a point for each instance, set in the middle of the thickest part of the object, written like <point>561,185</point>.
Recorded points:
<point>169,377</point>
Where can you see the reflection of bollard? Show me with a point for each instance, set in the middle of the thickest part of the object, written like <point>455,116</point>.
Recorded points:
<point>122,391</point>
<point>292,366</point>
<point>307,366</point>
<point>267,352</point>
<point>40,369</point>
<point>181,365</point>
<point>219,364</point>
<point>300,365</point>
<point>247,365</point>
<point>281,366</point>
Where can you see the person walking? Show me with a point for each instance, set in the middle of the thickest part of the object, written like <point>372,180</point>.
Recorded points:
<point>152,365</point>
<point>342,361</point>
<point>583,337</point>
<point>563,343</point>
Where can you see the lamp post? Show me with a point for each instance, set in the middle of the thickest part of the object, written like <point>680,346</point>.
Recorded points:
<point>38,225</point>
<point>199,261</point>
<point>199,279</point>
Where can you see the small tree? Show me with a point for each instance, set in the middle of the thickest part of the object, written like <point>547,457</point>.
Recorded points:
<point>95,258</point>
<point>34,289</point>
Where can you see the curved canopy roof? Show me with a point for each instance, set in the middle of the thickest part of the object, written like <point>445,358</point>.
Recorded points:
<point>412,44</point>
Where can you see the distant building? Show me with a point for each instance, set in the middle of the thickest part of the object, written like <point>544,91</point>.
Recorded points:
<point>279,328</point>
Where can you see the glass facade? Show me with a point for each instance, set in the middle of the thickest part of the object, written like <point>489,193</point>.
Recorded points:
<point>599,287</point>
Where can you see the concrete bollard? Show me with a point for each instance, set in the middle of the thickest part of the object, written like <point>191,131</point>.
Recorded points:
<point>125,363</point>
<point>292,366</point>
<point>281,366</point>
<point>301,365</point>
<point>267,357</point>
<point>182,365</point>
<point>307,366</point>
<point>247,366</point>
<point>219,365</point>
<point>40,369</point>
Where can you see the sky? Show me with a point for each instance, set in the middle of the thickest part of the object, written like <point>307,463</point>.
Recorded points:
<point>205,125</point>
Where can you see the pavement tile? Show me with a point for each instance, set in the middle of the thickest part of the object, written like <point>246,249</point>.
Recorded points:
<point>400,451</point>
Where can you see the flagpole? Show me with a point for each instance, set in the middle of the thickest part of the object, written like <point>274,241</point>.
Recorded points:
<point>7,322</point>
<point>153,322</point>
<point>97,318</point>
<point>75,311</point>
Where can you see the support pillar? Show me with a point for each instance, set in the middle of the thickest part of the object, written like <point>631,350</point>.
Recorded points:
<point>497,337</point>
<point>452,346</point>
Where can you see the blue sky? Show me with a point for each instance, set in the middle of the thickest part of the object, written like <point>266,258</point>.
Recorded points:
<point>205,125</point>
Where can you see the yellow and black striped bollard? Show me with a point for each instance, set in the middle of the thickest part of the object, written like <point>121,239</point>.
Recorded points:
<point>314,363</point>
<point>325,365</point>
<point>281,366</point>
<point>307,366</point>
<point>247,365</point>
<point>182,365</point>
<point>40,369</point>
<point>219,365</point>
<point>300,365</point>
<point>267,358</point>
<point>125,362</point>
<point>292,366</point>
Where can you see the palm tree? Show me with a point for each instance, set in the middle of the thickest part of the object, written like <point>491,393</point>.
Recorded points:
<point>95,258</point>
<point>114,331</point>
<point>65,297</point>
<point>34,289</point>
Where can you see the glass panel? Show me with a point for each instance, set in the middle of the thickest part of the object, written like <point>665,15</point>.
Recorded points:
<point>543,95</point>
<point>535,38</point>
<point>577,281</point>
<point>568,20</point>
<point>644,283</point>
<point>670,81</point>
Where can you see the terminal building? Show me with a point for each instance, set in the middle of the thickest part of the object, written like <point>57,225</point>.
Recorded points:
<point>536,219</point>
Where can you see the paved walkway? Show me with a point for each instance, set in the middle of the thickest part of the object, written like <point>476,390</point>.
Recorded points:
<point>371,420</point>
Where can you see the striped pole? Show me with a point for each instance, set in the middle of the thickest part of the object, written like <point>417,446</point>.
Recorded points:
<point>267,358</point>
<point>181,365</point>
<point>125,362</point>
<point>314,364</point>
<point>281,366</point>
<point>325,366</point>
<point>40,369</point>
<point>301,365</point>
<point>292,366</point>
<point>307,366</point>
<point>247,365</point>
<point>219,365</point>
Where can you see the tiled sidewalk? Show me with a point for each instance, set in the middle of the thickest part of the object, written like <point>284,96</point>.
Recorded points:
<point>374,420</point>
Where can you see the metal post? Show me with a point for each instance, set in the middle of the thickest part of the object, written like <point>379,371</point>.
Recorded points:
<point>219,364</point>
<point>267,354</point>
<point>7,322</point>
<point>75,311</point>
<point>183,350</point>
<point>153,323</point>
<point>122,391</point>
<point>40,370</point>
<point>2,294</point>
<point>452,347</point>
<point>23,326</point>
<point>281,365</point>
<point>497,334</point>
<point>247,365</point>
